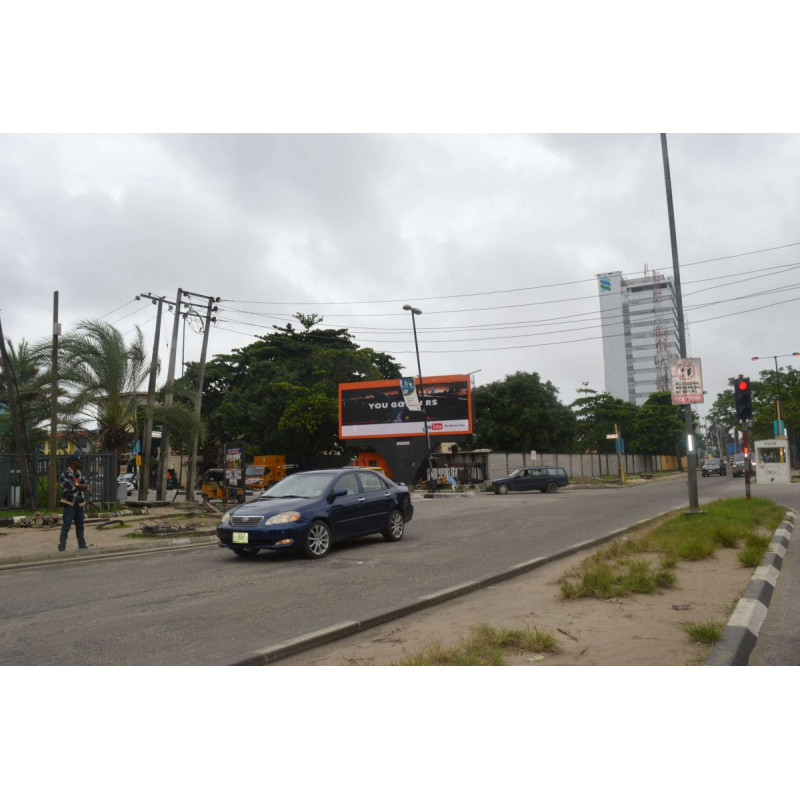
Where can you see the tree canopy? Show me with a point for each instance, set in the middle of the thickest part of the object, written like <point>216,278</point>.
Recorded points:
<point>522,413</point>
<point>280,394</point>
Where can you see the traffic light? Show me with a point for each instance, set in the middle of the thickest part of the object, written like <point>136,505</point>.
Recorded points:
<point>744,398</point>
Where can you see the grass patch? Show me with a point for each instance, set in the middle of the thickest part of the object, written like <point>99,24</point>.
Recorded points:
<point>704,632</point>
<point>484,647</point>
<point>619,568</point>
<point>755,546</point>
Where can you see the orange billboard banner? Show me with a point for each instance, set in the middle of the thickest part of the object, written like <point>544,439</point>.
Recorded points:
<point>372,409</point>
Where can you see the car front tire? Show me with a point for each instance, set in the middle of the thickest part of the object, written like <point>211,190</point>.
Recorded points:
<point>395,527</point>
<point>502,489</point>
<point>317,541</point>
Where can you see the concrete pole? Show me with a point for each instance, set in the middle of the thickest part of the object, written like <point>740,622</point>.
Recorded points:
<point>691,454</point>
<point>52,474</point>
<point>165,448</point>
<point>147,439</point>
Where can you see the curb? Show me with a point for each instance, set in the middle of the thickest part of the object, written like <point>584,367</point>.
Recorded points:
<point>269,655</point>
<point>741,633</point>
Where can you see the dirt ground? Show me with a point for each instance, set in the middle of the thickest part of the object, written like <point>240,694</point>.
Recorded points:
<point>640,630</point>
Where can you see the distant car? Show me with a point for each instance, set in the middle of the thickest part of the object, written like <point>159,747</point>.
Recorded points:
<point>545,479</point>
<point>714,466</point>
<point>131,477</point>
<point>309,511</point>
<point>738,467</point>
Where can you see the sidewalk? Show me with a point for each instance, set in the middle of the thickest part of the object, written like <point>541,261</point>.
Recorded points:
<point>20,545</point>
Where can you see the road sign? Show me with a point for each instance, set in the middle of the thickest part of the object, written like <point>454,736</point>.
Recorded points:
<point>687,381</point>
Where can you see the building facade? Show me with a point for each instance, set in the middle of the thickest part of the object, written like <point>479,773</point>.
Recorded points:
<point>639,320</point>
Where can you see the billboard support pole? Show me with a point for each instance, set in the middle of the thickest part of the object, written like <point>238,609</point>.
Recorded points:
<point>414,312</point>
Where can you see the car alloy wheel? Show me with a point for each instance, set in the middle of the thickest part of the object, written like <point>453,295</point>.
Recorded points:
<point>318,540</point>
<point>395,527</point>
<point>502,488</point>
<point>552,488</point>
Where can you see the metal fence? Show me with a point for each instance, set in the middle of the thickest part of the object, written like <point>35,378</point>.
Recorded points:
<point>100,469</point>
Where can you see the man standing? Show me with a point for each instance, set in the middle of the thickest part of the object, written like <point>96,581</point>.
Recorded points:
<point>73,498</point>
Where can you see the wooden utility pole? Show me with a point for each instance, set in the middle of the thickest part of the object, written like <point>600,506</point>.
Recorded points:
<point>198,401</point>
<point>16,426</point>
<point>52,473</point>
<point>144,471</point>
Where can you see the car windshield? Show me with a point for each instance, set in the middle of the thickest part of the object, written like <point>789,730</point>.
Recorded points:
<point>302,484</point>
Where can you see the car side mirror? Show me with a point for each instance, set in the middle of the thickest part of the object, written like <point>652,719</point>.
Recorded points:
<point>338,493</point>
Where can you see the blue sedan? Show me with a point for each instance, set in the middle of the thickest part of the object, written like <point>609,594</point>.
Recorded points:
<point>309,511</point>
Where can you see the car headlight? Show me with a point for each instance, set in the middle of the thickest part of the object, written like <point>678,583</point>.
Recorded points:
<point>283,517</point>
<point>226,518</point>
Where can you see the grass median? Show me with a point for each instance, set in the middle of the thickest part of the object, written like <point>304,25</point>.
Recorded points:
<point>641,561</point>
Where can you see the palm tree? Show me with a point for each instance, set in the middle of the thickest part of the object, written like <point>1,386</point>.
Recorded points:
<point>104,376</point>
<point>30,378</point>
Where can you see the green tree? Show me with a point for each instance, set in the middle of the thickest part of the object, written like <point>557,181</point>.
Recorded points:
<point>280,394</point>
<point>597,414</point>
<point>659,427</point>
<point>31,378</point>
<point>522,413</point>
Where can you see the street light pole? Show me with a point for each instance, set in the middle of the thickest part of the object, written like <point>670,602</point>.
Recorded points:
<point>414,313</point>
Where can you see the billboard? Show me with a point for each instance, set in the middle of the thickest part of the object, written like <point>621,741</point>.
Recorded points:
<point>390,408</point>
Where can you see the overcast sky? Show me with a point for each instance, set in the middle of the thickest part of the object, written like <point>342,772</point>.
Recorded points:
<point>498,239</point>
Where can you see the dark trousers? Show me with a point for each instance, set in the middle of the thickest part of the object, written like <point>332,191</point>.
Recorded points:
<point>72,514</point>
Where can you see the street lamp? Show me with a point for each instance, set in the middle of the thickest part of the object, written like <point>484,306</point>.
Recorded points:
<point>414,313</point>
<point>777,383</point>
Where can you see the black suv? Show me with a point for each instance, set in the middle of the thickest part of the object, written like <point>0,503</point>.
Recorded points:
<point>545,479</point>
<point>714,466</point>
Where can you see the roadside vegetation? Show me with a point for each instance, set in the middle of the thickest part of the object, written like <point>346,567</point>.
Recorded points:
<point>643,562</point>
<point>486,646</point>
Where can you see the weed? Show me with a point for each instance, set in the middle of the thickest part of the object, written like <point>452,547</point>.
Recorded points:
<point>485,646</point>
<point>704,632</point>
<point>755,546</point>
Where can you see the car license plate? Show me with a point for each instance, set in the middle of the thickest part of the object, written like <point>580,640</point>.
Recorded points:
<point>239,537</point>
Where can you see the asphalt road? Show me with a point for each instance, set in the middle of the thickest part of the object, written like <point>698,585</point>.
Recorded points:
<point>206,606</point>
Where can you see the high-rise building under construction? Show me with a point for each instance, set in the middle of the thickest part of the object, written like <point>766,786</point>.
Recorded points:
<point>639,320</point>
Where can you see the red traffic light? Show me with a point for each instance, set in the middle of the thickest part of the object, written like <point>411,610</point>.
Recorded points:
<point>743,385</point>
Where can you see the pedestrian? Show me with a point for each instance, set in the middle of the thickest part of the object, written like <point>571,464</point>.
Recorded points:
<point>73,487</point>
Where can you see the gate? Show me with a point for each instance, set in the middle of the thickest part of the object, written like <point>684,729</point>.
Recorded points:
<point>99,469</point>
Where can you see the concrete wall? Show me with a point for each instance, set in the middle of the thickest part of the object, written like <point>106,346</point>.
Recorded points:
<point>578,464</point>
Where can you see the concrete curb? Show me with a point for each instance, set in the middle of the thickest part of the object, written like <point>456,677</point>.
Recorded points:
<point>741,633</point>
<point>269,655</point>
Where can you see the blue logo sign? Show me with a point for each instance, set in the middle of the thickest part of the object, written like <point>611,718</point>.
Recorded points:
<point>605,285</point>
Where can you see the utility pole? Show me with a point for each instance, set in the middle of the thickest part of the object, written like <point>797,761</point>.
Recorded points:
<point>691,454</point>
<point>165,449</point>
<point>144,472</point>
<point>198,398</point>
<point>52,474</point>
<point>16,425</point>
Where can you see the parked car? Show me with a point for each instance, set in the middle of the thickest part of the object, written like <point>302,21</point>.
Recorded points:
<point>310,511</point>
<point>714,466</point>
<point>130,480</point>
<point>545,479</point>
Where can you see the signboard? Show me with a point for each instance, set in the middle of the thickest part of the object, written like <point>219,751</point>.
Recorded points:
<point>371,409</point>
<point>686,379</point>
<point>234,465</point>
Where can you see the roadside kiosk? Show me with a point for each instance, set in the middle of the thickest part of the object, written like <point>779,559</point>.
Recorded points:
<point>772,465</point>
